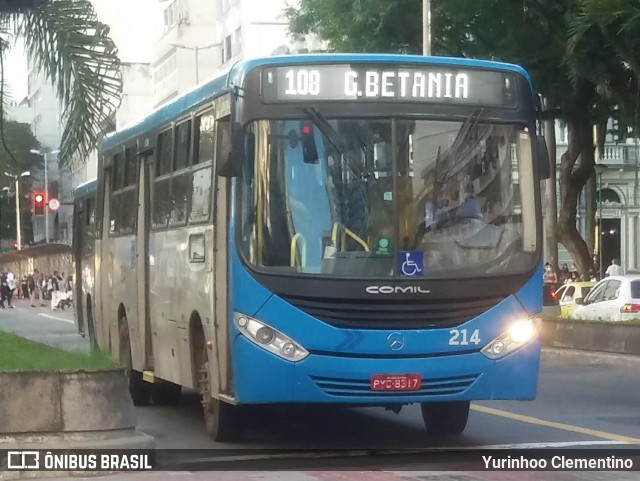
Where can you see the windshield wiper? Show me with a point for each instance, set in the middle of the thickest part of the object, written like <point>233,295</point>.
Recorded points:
<point>335,139</point>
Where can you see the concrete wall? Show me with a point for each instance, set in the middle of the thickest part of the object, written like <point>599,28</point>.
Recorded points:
<point>46,258</point>
<point>73,401</point>
<point>592,336</point>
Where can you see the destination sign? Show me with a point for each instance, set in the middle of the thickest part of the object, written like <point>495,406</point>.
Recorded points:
<point>432,84</point>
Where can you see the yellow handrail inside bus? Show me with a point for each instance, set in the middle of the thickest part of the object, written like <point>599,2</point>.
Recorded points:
<point>294,246</point>
<point>343,238</point>
<point>356,238</point>
<point>334,235</point>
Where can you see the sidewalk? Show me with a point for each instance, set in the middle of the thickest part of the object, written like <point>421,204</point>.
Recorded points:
<point>41,324</point>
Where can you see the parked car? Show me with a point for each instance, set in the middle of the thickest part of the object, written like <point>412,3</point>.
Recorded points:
<point>569,293</point>
<point>615,298</point>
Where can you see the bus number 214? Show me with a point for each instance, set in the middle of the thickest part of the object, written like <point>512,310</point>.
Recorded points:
<point>459,337</point>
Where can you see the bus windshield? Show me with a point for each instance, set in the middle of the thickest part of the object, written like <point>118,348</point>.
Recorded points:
<point>319,197</point>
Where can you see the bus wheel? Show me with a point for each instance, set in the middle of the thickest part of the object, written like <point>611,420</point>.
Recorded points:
<point>445,418</point>
<point>166,393</point>
<point>221,419</point>
<point>139,389</point>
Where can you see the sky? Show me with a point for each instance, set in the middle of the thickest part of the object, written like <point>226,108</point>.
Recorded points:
<point>15,64</point>
<point>143,20</point>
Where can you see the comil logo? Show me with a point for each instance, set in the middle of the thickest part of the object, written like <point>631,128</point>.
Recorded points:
<point>397,290</point>
<point>23,460</point>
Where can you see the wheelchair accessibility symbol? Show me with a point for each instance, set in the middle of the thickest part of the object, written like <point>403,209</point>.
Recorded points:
<point>412,263</point>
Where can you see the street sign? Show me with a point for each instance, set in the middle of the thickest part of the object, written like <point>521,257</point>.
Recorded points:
<point>54,204</point>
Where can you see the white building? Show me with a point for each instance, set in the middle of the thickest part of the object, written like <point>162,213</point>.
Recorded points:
<point>19,111</point>
<point>202,38</point>
<point>620,208</point>
<point>46,126</point>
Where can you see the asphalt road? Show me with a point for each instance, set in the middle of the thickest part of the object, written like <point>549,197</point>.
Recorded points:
<point>591,405</point>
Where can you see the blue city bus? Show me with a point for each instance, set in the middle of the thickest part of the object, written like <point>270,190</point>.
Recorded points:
<point>354,229</point>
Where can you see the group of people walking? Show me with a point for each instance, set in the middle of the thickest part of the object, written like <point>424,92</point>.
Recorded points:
<point>571,275</point>
<point>55,288</point>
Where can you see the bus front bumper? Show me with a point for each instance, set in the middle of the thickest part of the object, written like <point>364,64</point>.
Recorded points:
<point>262,377</point>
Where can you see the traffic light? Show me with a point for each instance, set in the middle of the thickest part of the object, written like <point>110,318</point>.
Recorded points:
<point>309,149</point>
<point>38,204</point>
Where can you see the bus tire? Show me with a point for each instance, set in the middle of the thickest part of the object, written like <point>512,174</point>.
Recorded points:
<point>445,418</point>
<point>166,393</point>
<point>139,389</point>
<point>222,420</point>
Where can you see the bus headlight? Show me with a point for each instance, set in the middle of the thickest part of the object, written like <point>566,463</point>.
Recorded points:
<point>517,335</point>
<point>269,338</point>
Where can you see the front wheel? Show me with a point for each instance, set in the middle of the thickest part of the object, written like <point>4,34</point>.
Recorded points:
<point>222,420</point>
<point>445,418</point>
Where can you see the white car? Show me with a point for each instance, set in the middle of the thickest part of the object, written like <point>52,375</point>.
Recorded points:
<point>615,298</point>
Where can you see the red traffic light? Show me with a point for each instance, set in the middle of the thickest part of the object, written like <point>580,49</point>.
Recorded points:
<point>38,203</point>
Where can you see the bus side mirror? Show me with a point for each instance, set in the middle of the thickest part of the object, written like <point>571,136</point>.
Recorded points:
<point>228,148</point>
<point>542,157</point>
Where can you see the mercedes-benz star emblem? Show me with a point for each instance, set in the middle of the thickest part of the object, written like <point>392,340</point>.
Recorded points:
<point>395,341</point>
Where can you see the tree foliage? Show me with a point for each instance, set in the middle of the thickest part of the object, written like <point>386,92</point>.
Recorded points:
<point>72,47</point>
<point>20,141</point>
<point>583,56</point>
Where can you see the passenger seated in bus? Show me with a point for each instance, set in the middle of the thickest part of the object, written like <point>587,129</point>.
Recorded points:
<point>470,207</point>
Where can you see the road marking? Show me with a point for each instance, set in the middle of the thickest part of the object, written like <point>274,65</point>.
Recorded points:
<point>551,424</point>
<point>556,444</point>
<point>359,453</point>
<point>70,321</point>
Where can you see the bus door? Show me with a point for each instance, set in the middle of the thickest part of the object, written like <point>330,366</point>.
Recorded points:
<point>142,261</point>
<point>78,254</point>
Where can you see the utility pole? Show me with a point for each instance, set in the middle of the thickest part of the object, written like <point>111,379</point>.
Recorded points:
<point>18,220</point>
<point>426,27</point>
<point>46,198</point>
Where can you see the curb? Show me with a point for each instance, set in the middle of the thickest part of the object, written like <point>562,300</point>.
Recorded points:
<point>590,357</point>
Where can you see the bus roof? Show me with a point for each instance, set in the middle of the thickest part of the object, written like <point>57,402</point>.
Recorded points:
<point>233,77</point>
<point>88,187</point>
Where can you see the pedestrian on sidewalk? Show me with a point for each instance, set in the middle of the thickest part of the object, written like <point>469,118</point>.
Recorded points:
<point>36,288</point>
<point>5,293</point>
<point>614,269</point>
<point>57,286</point>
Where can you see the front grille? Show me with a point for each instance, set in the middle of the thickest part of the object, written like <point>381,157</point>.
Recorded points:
<point>442,386</point>
<point>393,314</point>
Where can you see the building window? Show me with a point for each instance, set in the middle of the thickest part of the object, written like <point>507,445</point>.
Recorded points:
<point>165,68</point>
<point>226,49</point>
<point>175,13</point>
<point>562,137</point>
<point>238,41</point>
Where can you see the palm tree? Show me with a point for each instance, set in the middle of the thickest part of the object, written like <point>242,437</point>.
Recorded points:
<point>66,41</point>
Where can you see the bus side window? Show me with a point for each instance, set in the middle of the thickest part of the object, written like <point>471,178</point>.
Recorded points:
<point>162,205</point>
<point>205,140</point>
<point>90,212</point>
<point>201,182</point>
<point>114,200</point>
